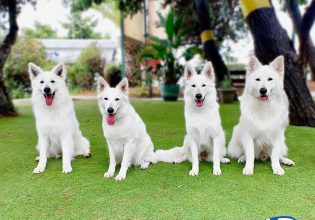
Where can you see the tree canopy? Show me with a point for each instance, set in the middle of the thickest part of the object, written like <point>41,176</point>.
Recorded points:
<point>40,30</point>
<point>81,28</point>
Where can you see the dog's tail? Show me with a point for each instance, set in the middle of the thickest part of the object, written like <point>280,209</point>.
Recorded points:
<point>170,155</point>
<point>82,145</point>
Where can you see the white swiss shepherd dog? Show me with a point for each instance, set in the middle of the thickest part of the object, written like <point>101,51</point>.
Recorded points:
<point>205,139</point>
<point>264,118</point>
<point>127,139</point>
<point>57,127</point>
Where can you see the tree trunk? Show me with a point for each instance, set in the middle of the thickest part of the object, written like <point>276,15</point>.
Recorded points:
<point>271,40</point>
<point>296,18</point>
<point>209,45</point>
<point>307,49</point>
<point>6,105</point>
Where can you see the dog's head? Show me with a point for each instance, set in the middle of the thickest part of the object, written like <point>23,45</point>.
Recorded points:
<point>265,81</point>
<point>199,87</point>
<point>111,100</point>
<point>46,84</point>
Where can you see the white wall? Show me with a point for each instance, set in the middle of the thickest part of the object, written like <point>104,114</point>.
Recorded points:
<point>67,51</point>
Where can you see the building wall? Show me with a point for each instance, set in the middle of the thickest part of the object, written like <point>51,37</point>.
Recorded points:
<point>67,50</point>
<point>134,26</point>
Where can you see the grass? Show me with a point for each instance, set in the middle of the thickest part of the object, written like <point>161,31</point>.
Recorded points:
<point>164,191</point>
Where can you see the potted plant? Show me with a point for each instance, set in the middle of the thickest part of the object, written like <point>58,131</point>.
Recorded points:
<point>226,91</point>
<point>166,51</point>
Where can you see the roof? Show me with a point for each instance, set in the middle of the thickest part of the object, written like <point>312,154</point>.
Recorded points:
<point>78,43</point>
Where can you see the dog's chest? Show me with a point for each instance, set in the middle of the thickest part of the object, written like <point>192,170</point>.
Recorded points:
<point>202,130</point>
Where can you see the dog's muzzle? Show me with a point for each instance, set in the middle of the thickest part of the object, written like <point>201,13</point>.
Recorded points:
<point>49,97</point>
<point>199,100</point>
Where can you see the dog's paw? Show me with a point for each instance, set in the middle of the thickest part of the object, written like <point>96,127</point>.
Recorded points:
<point>217,171</point>
<point>87,155</point>
<point>194,172</point>
<point>39,169</point>
<point>37,159</point>
<point>178,160</point>
<point>242,159</point>
<point>225,160</point>
<point>144,165</point>
<point>120,177</point>
<point>248,171</point>
<point>287,161</point>
<point>278,171</point>
<point>109,174</point>
<point>66,169</point>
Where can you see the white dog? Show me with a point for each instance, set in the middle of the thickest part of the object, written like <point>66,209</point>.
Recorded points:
<point>56,123</point>
<point>264,118</point>
<point>127,139</point>
<point>205,138</point>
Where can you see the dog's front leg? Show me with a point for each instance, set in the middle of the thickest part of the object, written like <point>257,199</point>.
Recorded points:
<point>248,146</point>
<point>275,156</point>
<point>218,144</point>
<point>129,149</point>
<point>112,162</point>
<point>43,147</point>
<point>194,158</point>
<point>67,146</point>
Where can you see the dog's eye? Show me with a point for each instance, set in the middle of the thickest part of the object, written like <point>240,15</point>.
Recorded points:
<point>117,99</point>
<point>42,82</point>
<point>106,98</point>
<point>257,79</point>
<point>270,79</point>
<point>193,85</point>
<point>52,81</point>
<point>203,85</point>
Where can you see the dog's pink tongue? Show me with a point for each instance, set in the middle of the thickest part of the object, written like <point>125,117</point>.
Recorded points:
<point>199,103</point>
<point>110,119</point>
<point>49,100</point>
<point>263,98</point>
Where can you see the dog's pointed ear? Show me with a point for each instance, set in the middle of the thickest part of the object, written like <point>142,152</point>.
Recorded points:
<point>278,65</point>
<point>33,70</point>
<point>123,85</point>
<point>60,70</point>
<point>208,71</point>
<point>189,71</point>
<point>253,64</point>
<point>101,84</point>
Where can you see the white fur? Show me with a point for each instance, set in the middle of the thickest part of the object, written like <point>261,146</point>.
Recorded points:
<point>57,126</point>
<point>203,124</point>
<point>260,132</point>
<point>128,141</point>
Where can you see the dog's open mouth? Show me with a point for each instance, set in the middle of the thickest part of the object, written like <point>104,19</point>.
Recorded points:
<point>49,98</point>
<point>263,97</point>
<point>199,102</point>
<point>111,119</point>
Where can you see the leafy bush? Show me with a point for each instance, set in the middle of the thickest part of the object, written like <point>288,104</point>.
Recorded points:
<point>113,75</point>
<point>82,73</point>
<point>16,68</point>
<point>166,50</point>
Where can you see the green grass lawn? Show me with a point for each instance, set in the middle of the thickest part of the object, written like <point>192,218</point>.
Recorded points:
<point>164,191</point>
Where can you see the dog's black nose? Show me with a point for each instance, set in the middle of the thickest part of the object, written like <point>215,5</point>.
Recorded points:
<point>110,110</point>
<point>263,91</point>
<point>198,96</point>
<point>47,90</point>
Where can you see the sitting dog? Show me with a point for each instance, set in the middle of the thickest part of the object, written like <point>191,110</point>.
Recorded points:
<point>264,118</point>
<point>205,138</point>
<point>57,127</point>
<point>127,139</point>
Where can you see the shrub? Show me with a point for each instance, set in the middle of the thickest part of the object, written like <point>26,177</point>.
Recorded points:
<point>113,75</point>
<point>82,73</point>
<point>16,74</point>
